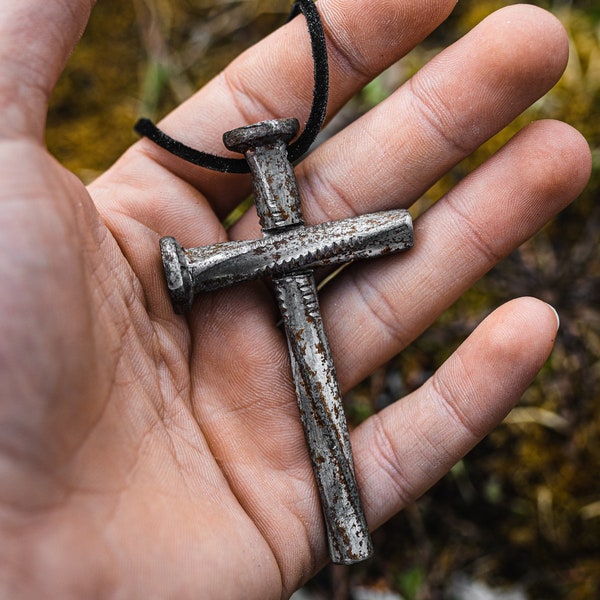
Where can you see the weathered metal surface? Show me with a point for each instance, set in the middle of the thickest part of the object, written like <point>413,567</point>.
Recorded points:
<point>276,194</point>
<point>288,252</point>
<point>294,249</point>
<point>323,418</point>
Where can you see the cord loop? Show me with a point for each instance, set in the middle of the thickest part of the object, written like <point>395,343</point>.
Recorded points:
<point>318,111</point>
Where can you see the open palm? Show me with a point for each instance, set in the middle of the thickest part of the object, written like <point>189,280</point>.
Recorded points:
<point>143,454</point>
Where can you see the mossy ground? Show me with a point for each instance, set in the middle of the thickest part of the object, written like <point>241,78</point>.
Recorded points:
<point>524,507</point>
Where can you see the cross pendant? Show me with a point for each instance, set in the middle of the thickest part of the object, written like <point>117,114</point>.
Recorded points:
<point>288,252</point>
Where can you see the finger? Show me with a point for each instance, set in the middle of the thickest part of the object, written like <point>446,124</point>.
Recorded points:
<point>405,449</point>
<point>465,95</point>
<point>275,79</point>
<point>36,38</point>
<point>454,104</point>
<point>373,310</point>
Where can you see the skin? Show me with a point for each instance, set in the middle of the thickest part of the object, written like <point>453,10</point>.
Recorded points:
<point>147,455</point>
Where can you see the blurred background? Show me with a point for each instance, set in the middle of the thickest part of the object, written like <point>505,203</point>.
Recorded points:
<point>519,517</point>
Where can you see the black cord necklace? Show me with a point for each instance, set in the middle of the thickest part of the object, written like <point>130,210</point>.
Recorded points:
<point>146,128</point>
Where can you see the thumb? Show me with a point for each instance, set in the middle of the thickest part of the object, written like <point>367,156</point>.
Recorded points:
<point>36,39</point>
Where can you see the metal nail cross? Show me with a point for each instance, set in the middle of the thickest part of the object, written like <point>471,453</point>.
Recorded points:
<point>288,252</point>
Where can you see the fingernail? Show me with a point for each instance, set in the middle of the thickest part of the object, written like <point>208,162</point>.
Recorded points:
<point>556,315</point>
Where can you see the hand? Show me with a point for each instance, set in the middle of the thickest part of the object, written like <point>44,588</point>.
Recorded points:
<point>145,455</point>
